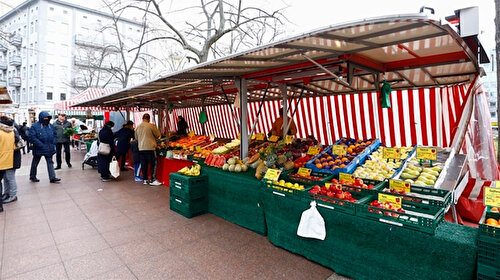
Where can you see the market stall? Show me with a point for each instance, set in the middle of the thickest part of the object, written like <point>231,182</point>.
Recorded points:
<point>382,109</point>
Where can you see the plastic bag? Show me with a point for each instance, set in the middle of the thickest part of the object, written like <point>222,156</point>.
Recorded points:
<point>114,168</point>
<point>312,224</point>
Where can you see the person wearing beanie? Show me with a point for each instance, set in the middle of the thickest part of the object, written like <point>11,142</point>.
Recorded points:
<point>43,136</point>
<point>106,136</point>
<point>124,136</point>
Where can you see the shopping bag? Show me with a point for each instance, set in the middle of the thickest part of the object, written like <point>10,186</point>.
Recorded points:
<point>311,224</point>
<point>104,149</point>
<point>114,168</point>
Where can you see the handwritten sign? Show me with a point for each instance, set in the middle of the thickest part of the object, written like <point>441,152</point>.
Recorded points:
<point>339,150</point>
<point>313,150</point>
<point>273,138</point>
<point>491,196</point>
<point>304,171</point>
<point>212,137</point>
<point>426,153</point>
<point>391,153</point>
<point>345,177</point>
<point>259,136</point>
<point>191,133</point>
<point>399,185</point>
<point>198,149</point>
<point>395,201</point>
<point>288,139</point>
<point>272,174</point>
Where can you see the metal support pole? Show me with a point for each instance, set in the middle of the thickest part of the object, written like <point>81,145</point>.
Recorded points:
<point>160,118</point>
<point>241,84</point>
<point>203,131</point>
<point>127,113</point>
<point>284,95</point>
<point>167,129</point>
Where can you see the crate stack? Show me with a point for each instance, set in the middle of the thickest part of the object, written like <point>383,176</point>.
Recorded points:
<point>488,243</point>
<point>188,195</point>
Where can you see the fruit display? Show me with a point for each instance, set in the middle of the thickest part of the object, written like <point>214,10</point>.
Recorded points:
<point>188,142</point>
<point>227,147</point>
<point>331,193</point>
<point>330,163</point>
<point>358,183</point>
<point>377,168</point>
<point>191,171</point>
<point>386,206</point>
<point>421,176</point>
<point>234,164</point>
<point>284,186</point>
<point>493,222</point>
<point>215,160</point>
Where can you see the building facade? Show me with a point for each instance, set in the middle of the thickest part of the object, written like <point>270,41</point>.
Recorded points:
<point>490,83</point>
<point>51,50</point>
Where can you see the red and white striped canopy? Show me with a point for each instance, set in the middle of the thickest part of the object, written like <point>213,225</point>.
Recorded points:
<point>87,95</point>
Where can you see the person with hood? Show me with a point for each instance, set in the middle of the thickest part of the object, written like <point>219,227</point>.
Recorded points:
<point>9,179</point>
<point>182,126</point>
<point>43,136</point>
<point>106,136</point>
<point>124,135</point>
<point>61,124</point>
<point>7,146</point>
<point>23,132</point>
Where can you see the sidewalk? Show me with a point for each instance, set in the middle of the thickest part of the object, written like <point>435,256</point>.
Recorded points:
<point>84,228</point>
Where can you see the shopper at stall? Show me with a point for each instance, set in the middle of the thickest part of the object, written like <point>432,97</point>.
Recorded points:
<point>124,136</point>
<point>278,126</point>
<point>103,160</point>
<point>9,179</point>
<point>182,126</point>
<point>146,134</point>
<point>137,160</point>
<point>61,124</point>
<point>43,136</point>
<point>23,132</point>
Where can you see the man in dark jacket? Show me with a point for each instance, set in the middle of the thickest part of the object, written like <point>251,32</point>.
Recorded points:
<point>43,136</point>
<point>124,135</point>
<point>103,161</point>
<point>23,132</point>
<point>182,126</point>
<point>61,124</point>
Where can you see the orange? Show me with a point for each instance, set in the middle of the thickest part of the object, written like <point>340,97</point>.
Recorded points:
<point>344,159</point>
<point>334,167</point>
<point>338,160</point>
<point>325,164</point>
<point>329,158</point>
<point>318,165</point>
<point>342,165</point>
<point>331,162</point>
<point>492,222</point>
<point>495,209</point>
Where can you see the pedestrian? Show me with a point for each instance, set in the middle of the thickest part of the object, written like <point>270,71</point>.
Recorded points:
<point>43,136</point>
<point>103,161</point>
<point>7,146</point>
<point>137,160</point>
<point>23,132</point>
<point>9,179</point>
<point>61,124</point>
<point>146,134</point>
<point>182,126</point>
<point>124,135</point>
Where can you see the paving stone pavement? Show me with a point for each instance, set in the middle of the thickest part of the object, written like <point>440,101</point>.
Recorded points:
<point>83,228</point>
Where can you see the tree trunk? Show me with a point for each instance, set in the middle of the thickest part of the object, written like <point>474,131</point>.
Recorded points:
<point>497,60</point>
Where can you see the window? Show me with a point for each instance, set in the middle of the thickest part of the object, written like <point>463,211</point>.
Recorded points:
<point>51,8</point>
<point>65,12</point>
<point>36,24</point>
<point>492,104</point>
<point>31,71</point>
<point>31,49</point>
<point>31,28</point>
<point>49,95</point>
<point>35,70</point>
<point>85,17</point>
<point>63,96</point>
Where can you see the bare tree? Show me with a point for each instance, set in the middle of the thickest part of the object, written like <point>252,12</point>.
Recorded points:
<point>91,69</point>
<point>218,18</point>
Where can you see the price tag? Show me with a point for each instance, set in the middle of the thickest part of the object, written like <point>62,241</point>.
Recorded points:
<point>392,199</point>
<point>427,153</point>
<point>313,150</point>
<point>339,150</point>
<point>273,138</point>
<point>491,196</point>
<point>198,149</point>
<point>212,137</point>
<point>259,136</point>
<point>191,133</point>
<point>399,185</point>
<point>272,174</point>
<point>391,153</point>
<point>348,178</point>
<point>288,139</point>
<point>327,185</point>
<point>304,171</point>
<point>239,136</point>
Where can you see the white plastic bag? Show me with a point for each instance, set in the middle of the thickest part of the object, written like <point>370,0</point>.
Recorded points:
<point>114,168</point>
<point>312,224</point>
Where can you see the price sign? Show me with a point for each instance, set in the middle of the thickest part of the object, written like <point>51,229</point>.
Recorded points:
<point>273,138</point>
<point>348,178</point>
<point>304,171</point>
<point>288,139</point>
<point>191,133</point>
<point>327,185</point>
<point>391,153</point>
<point>212,137</point>
<point>313,150</point>
<point>272,174</point>
<point>426,153</point>
<point>492,196</point>
<point>198,149</point>
<point>339,150</point>
<point>259,137</point>
<point>399,185</point>
<point>239,136</point>
<point>392,199</point>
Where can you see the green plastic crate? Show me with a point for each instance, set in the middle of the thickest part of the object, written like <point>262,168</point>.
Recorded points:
<point>188,181</point>
<point>487,230</point>
<point>288,177</point>
<point>284,191</point>
<point>377,185</point>
<point>443,197</point>
<point>411,219</point>
<point>188,187</point>
<point>336,204</point>
<point>486,272</point>
<point>488,251</point>
<point>188,208</point>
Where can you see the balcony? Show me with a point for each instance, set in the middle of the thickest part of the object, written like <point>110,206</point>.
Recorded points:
<point>16,41</point>
<point>87,42</point>
<point>3,64</point>
<point>15,82</point>
<point>15,60</point>
<point>3,82</point>
<point>3,47</point>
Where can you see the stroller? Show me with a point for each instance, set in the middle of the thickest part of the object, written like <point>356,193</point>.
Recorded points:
<point>91,157</point>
